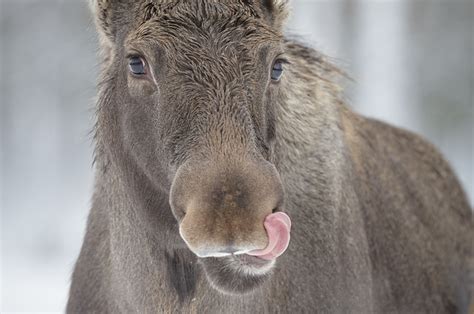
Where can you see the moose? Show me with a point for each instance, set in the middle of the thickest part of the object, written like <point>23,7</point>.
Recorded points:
<point>232,177</point>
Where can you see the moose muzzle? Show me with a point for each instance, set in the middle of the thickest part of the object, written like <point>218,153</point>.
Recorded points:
<point>231,207</point>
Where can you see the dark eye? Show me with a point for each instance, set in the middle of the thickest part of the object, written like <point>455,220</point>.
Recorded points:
<point>277,70</point>
<point>137,65</point>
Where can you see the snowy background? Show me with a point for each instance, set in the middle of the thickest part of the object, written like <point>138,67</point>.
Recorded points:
<point>412,64</point>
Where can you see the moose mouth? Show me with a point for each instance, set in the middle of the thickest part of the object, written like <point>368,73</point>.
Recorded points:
<point>241,273</point>
<point>248,265</point>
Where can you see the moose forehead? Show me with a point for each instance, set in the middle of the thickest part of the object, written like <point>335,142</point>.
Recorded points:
<point>211,25</point>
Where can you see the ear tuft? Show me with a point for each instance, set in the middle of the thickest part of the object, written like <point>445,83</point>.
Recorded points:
<point>277,10</point>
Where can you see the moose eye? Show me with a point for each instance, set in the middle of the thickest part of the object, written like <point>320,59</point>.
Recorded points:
<point>137,65</point>
<point>277,70</point>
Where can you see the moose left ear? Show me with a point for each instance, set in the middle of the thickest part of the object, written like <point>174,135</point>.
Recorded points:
<point>276,10</point>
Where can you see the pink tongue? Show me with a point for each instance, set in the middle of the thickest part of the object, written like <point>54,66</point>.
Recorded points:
<point>278,227</point>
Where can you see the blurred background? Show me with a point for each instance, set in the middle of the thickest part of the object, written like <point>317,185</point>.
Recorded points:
<point>411,61</point>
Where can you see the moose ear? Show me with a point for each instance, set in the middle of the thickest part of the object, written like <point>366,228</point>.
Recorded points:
<point>105,13</point>
<point>277,11</point>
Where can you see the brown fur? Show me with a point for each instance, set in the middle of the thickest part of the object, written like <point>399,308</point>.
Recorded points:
<point>380,223</point>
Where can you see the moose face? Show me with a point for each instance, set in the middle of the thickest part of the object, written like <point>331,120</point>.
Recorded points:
<point>195,87</point>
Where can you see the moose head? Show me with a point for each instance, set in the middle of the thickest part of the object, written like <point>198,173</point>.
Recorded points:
<point>187,100</point>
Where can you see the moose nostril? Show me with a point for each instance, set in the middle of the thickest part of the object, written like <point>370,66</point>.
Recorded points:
<point>275,210</point>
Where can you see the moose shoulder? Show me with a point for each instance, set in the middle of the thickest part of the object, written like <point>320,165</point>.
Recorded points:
<point>216,139</point>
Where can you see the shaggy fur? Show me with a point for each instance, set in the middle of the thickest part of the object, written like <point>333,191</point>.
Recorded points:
<point>380,222</point>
